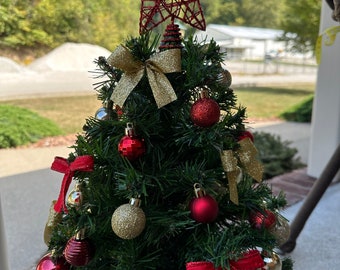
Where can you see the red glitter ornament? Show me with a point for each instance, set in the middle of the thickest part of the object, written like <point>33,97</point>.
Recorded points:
<point>79,250</point>
<point>154,12</point>
<point>260,220</point>
<point>47,263</point>
<point>203,208</point>
<point>251,260</point>
<point>200,266</point>
<point>246,134</point>
<point>205,112</point>
<point>130,146</point>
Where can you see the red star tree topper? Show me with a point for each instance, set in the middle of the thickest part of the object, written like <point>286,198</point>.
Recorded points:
<point>154,12</point>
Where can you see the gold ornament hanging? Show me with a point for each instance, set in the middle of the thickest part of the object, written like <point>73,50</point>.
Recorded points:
<point>281,230</point>
<point>225,78</point>
<point>168,61</point>
<point>128,220</point>
<point>53,219</point>
<point>75,198</point>
<point>272,262</point>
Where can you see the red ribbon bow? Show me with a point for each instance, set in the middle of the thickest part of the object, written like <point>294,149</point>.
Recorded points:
<point>251,260</point>
<point>81,163</point>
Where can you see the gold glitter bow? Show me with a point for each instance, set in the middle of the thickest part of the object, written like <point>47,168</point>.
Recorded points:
<point>164,62</point>
<point>247,156</point>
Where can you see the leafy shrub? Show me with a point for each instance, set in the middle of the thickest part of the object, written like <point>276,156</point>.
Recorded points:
<point>301,112</point>
<point>49,23</point>
<point>20,126</point>
<point>276,155</point>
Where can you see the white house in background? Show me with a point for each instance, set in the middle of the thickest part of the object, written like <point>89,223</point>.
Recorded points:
<point>244,42</point>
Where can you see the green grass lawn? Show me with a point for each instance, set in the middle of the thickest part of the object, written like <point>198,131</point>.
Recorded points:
<point>69,113</point>
<point>20,126</point>
<point>267,103</point>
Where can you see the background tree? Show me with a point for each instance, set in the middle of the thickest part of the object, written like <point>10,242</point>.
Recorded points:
<point>221,11</point>
<point>47,23</point>
<point>16,25</point>
<point>113,19</point>
<point>244,12</point>
<point>265,14</point>
<point>302,18</point>
<point>50,23</point>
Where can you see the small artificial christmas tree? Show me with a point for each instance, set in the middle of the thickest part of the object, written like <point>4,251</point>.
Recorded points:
<point>166,175</point>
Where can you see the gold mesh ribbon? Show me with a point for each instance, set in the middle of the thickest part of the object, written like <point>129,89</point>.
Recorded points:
<point>164,62</point>
<point>247,156</point>
<point>229,164</point>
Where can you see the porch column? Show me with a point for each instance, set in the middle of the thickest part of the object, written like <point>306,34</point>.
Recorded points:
<point>325,130</point>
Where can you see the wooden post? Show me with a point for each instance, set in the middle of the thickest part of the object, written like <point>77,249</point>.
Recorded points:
<point>3,245</point>
<point>311,201</point>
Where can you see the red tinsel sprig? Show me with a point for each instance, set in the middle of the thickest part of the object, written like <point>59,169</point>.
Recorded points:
<point>62,165</point>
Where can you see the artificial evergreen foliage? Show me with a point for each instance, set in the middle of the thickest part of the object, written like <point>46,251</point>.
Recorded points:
<point>178,155</point>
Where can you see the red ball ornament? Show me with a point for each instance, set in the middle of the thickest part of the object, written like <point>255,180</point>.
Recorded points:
<point>205,112</point>
<point>246,134</point>
<point>130,146</point>
<point>260,220</point>
<point>47,263</point>
<point>79,250</point>
<point>203,208</point>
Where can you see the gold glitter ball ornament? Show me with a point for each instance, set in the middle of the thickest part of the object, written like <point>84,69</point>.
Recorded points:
<point>281,230</point>
<point>225,78</point>
<point>128,220</point>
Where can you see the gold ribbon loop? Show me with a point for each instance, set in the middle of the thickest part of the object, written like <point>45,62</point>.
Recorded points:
<point>247,157</point>
<point>247,154</point>
<point>330,35</point>
<point>164,62</point>
<point>229,164</point>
